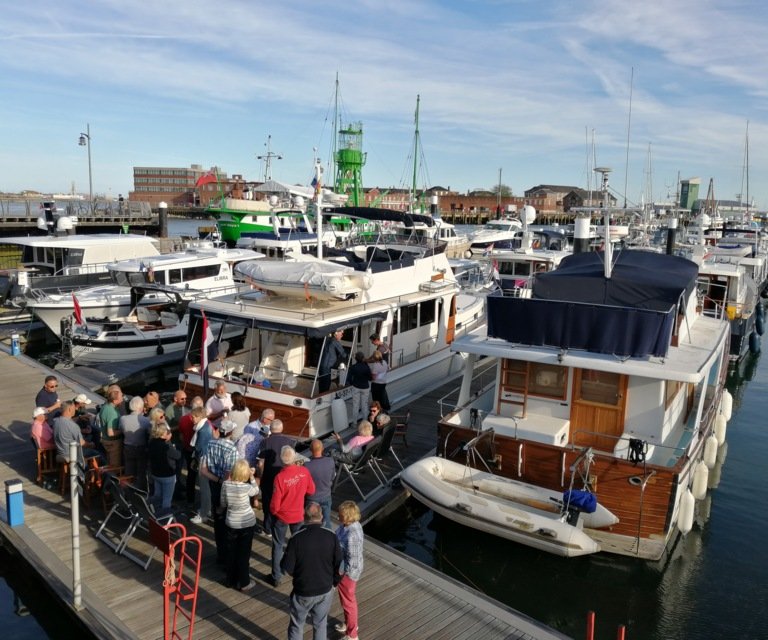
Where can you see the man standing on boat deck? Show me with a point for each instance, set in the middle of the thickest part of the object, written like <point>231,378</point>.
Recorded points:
<point>333,357</point>
<point>216,467</point>
<point>359,379</point>
<point>292,485</point>
<point>381,346</point>
<point>313,558</point>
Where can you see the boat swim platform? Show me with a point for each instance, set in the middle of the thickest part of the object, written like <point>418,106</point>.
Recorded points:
<point>398,597</point>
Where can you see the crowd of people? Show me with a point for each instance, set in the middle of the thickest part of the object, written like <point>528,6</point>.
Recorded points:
<point>232,462</point>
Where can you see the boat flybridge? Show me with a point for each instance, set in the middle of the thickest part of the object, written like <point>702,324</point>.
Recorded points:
<point>390,283</point>
<point>203,265</point>
<point>56,264</point>
<point>610,381</point>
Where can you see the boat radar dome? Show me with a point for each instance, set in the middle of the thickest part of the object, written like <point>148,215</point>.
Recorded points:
<point>705,220</point>
<point>529,214</point>
<point>65,224</point>
<point>273,201</point>
<point>298,201</point>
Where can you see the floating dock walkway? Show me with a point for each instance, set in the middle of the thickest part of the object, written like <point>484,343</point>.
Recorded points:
<point>398,597</point>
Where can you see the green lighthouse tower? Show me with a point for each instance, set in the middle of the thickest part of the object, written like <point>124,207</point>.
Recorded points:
<point>349,163</point>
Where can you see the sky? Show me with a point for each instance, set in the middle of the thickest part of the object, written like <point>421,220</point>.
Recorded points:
<point>540,91</point>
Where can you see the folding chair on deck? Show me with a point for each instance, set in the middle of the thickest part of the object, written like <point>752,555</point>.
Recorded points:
<point>385,449</point>
<point>366,461</point>
<point>121,508</point>
<point>144,514</point>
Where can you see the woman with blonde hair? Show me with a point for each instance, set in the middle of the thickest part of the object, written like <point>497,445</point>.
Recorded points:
<point>163,458</point>
<point>236,494</point>
<point>354,448</point>
<point>350,537</point>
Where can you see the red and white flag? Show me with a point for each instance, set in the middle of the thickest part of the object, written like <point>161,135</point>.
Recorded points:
<point>207,342</point>
<point>207,178</point>
<point>78,311</point>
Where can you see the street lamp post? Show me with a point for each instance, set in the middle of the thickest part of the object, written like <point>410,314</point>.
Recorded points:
<point>85,141</point>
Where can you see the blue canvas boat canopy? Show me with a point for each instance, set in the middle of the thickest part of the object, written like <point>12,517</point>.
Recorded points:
<point>386,215</point>
<point>632,313</point>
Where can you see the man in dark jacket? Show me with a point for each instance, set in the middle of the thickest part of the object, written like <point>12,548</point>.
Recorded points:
<point>333,357</point>
<point>313,558</point>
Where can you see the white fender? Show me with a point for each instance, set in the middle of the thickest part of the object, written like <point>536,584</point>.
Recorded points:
<point>726,405</point>
<point>339,415</point>
<point>710,451</point>
<point>685,515</point>
<point>700,479</point>
<point>721,424</point>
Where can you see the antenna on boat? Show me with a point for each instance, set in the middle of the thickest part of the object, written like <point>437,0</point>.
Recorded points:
<point>608,255</point>
<point>319,204</point>
<point>267,158</point>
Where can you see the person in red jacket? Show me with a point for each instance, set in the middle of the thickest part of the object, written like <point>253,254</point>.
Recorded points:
<point>292,485</point>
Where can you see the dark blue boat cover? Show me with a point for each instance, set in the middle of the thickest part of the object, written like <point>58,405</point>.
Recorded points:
<point>631,314</point>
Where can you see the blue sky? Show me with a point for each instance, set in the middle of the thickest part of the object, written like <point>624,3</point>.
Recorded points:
<point>521,85</point>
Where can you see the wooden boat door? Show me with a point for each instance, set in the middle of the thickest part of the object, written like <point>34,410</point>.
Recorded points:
<point>450,332</point>
<point>597,410</point>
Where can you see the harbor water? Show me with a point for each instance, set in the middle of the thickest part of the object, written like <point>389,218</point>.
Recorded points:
<point>710,584</point>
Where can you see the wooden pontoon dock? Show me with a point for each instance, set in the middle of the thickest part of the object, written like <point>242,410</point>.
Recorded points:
<point>398,597</point>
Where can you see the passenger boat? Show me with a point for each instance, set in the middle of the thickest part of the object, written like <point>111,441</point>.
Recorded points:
<point>148,330</point>
<point>56,264</point>
<point>397,286</point>
<point>610,379</point>
<point>508,508</point>
<point>203,265</point>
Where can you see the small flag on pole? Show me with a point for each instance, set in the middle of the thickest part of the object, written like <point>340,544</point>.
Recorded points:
<point>207,341</point>
<point>78,310</point>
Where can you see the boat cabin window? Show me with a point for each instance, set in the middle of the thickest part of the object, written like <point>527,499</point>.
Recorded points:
<point>413,316</point>
<point>547,380</point>
<point>177,276</point>
<point>515,268</point>
<point>600,386</point>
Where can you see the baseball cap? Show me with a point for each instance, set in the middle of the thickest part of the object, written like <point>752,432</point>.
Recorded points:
<point>226,427</point>
<point>82,399</point>
<point>39,411</point>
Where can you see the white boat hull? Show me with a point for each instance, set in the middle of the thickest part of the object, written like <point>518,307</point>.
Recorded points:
<point>506,508</point>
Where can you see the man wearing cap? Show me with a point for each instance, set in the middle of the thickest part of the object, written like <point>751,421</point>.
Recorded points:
<point>85,421</point>
<point>216,467</point>
<point>41,431</point>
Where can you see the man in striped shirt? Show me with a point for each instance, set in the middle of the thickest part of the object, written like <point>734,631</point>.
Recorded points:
<point>216,466</point>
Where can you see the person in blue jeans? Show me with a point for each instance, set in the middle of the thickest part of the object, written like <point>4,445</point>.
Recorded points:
<point>323,470</point>
<point>163,458</point>
<point>313,558</point>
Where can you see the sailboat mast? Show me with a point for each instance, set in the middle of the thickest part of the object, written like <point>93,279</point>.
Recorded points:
<point>415,155</point>
<point>336,127</point>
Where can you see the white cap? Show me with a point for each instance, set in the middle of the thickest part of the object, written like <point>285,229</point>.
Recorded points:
<point>39,411</point>
<point>82,399</point>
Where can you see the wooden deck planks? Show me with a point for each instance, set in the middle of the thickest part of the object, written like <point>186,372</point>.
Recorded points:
<point>397,598</point>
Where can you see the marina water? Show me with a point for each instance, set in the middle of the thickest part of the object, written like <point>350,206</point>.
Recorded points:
<point>711,584</point>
